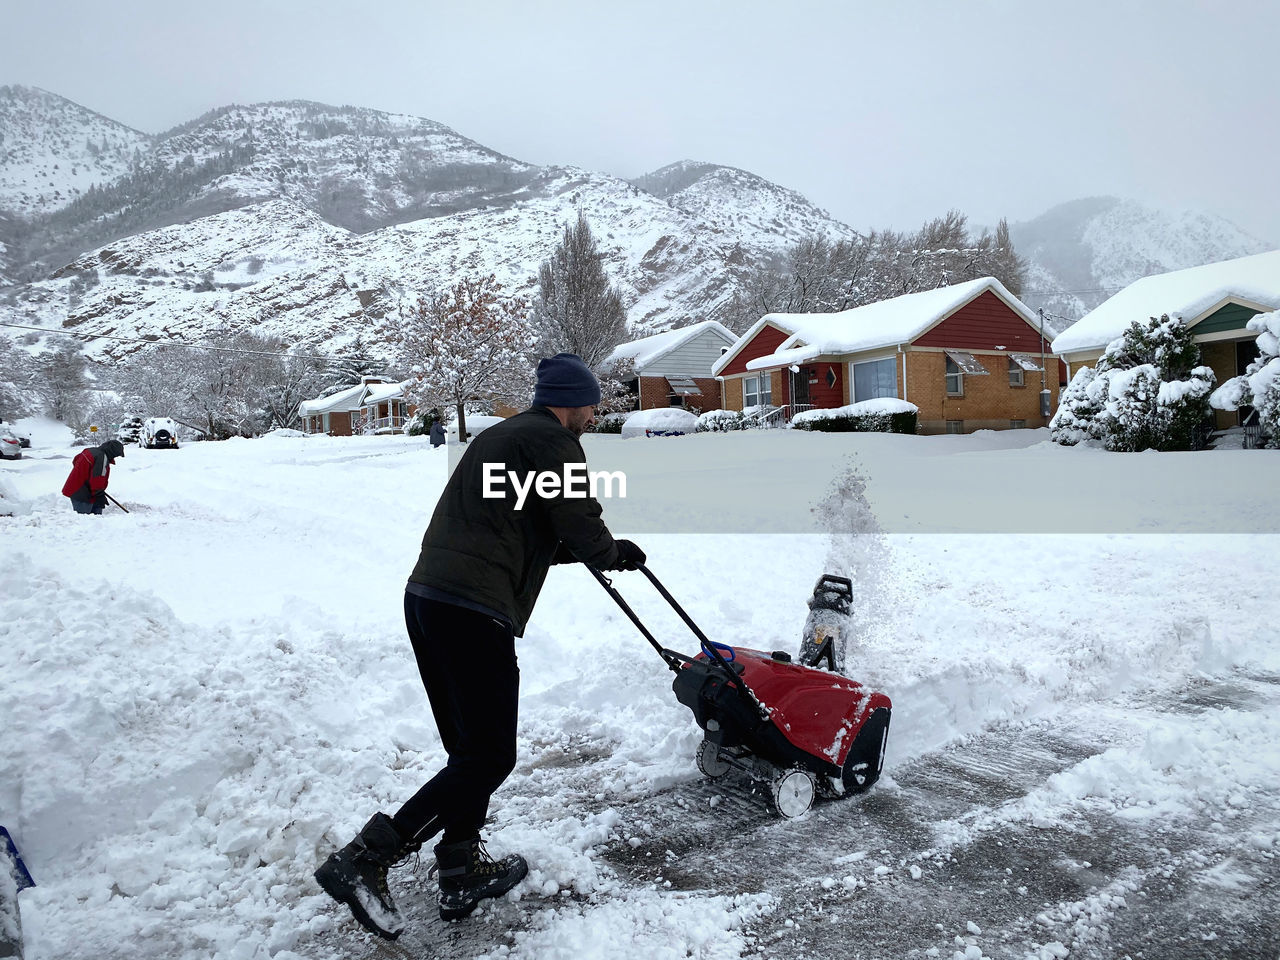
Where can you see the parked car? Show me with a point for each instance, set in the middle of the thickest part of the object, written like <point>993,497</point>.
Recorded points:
<point>660,422</point>
<point>159,432</point>
<point>24,436</point>
<point>10,445</point>
<point>130,431</point>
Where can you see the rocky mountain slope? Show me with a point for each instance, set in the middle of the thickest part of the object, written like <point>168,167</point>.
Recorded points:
<point>280,268</point>
<point>1082,252</point>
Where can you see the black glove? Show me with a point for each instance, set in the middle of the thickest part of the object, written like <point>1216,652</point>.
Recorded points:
<point>629,556</point>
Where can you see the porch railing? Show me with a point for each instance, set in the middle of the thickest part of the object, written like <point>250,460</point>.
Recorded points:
<point>1252,427</point>
<point>777,417</point>
<point>382,425</point>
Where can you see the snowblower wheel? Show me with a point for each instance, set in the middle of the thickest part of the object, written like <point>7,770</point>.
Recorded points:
<point>709,763</point>
<point>793,793</point>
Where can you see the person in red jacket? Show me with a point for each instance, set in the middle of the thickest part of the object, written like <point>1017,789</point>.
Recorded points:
<point>90,473</point>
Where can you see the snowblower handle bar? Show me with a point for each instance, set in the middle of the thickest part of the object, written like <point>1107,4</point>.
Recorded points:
<point>673,659</point>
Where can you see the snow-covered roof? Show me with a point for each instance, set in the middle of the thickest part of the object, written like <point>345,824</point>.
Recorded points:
<point>1185,294</point>
<point>347,399</point>
<point>381,392</point>
<point>881,324</point>
<point>648,349</point>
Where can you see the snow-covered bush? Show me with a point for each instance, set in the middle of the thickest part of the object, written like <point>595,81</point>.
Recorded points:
<point>610,422</point>
<point>419,425</point>
<point>720,421</point>
<point>1146,392</point>
<point>882,415</point>
<point>1077,418</point>
<point>1259,385</point>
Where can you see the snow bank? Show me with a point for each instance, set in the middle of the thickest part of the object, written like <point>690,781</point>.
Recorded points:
<point>205,695</point>
<point>476,423</point>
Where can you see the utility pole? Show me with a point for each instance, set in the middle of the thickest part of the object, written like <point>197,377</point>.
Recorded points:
<point>1044,387</point>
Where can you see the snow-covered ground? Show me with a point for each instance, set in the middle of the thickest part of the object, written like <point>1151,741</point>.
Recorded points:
<point>201,696</point>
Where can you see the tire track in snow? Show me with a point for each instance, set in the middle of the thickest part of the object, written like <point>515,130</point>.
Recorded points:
<point>896,893</point>
<point>939,848</point>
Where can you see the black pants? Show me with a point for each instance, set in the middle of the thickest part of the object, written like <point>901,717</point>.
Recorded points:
<point>468,665</point>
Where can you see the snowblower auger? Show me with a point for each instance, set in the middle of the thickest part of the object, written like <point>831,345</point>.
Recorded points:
<point>828,607</point>
<point>801,731</point>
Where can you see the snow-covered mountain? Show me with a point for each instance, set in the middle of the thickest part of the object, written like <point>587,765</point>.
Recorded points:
<point>1082,252</point>
<point>734,202</point>
<point>292,217</point>
<point>53,150</point>
<point>309,221</point>
<point>280,268</point>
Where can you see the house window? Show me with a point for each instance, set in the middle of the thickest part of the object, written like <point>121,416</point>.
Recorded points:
<point>675,400</point>
<point>757,391</point>
<point>1017,424</point>
<point>955,426</point>
<point>955,387</point>
<point>875,378</point>
<point>1015,374</point>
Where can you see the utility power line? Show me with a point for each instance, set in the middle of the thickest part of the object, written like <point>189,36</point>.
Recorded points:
<point>183,343</point>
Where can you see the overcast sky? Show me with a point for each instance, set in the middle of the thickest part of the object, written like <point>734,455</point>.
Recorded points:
<point>882,113</point>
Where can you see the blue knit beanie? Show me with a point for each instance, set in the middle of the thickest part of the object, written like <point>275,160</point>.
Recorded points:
<point>565,381</point>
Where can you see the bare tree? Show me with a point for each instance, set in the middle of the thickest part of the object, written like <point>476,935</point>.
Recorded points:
<point>17,378</point>
<point>246,386</point>
<point>577,310</point>
<point>465,343</point>
<point>818,276</point>
<point>63,378</point>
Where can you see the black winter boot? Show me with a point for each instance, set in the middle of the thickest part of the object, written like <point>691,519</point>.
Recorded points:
<point>468,875</point>
<point>357,875</point>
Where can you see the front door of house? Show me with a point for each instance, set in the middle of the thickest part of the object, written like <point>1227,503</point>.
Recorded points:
<point>800,387</point>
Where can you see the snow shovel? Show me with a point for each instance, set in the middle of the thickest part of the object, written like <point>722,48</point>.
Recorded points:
<point>10,917</point>
<point>115,501</point>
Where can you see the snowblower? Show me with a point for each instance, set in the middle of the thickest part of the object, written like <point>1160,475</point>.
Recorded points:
<point>800,731</point>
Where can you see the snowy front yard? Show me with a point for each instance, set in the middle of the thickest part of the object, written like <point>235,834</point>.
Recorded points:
<point>203,695</point>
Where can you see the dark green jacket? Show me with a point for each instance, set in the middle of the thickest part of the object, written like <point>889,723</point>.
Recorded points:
<point>488,552</point>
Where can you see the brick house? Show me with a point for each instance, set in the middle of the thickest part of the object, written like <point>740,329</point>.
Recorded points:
<point>375,406</point>
<point>673,369</point>
<point>968,356</point>
<point>1214,301</point>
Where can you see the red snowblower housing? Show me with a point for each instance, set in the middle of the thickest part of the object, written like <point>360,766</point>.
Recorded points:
<point>803,731</point>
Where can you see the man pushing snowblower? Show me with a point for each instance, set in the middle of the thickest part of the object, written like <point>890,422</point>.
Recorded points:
<point>481,567</point>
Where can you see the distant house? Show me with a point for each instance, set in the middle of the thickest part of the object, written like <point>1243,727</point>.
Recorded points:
<point>968,356</point>
<point>673,369</point>
<point>375,406</point>
<point>383,408</point>
<point>1214,301</point>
